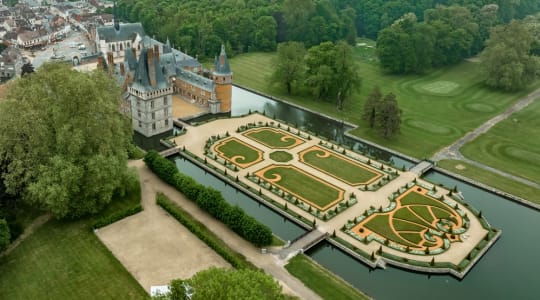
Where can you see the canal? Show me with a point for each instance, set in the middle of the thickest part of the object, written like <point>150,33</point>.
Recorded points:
<point>508,270</point>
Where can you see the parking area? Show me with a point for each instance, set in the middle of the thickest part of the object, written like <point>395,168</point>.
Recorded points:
<point>65,49</point>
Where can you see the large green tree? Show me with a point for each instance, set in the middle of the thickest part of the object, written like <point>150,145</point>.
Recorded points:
<point>507,59</point>
<point>331,72</point>
<point>218,283</point>
<point>388,117</point>
<point>371,107</point>
<point>63,141</point>
<point>289,65</point>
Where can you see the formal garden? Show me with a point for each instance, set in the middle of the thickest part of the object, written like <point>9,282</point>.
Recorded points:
<point>292,156</point>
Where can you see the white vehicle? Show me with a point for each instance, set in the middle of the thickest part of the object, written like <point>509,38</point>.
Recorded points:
<point>82,47</point>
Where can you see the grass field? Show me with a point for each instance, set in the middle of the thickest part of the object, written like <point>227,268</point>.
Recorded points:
<point>438,107</point>
<point>513,145</point>
<point>65,260</point>
<point>513,187</point>
<point>321,281</point>
<point>342,168</point>
<point>302,185</point>
<point>273,138</point>
<point>238,152</point>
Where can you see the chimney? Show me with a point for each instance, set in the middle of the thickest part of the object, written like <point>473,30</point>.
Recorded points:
<point>122,70</point>
<point>151,68</point>
<point>100,63</point>
<point>110,58</point>
<point>156,52</point>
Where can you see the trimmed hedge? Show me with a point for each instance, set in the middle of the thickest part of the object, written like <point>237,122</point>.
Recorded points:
<point>104,221</point>
<point>210,200</point>
<point>204,234</point>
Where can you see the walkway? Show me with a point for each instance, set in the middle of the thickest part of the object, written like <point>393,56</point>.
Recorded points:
<point>421,168</point>
<point>303,244</point>
<point>269,263</point>
<point>452,151</point>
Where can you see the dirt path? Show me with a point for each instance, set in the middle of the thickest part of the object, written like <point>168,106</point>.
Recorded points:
<point>267,262</point>
<point>38,222</point>
<point>452,151</point>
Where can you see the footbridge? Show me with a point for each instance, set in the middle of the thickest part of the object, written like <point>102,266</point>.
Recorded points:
<point>303,243</point>
<point>422,167</point>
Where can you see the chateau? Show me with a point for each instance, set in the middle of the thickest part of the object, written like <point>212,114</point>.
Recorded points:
<point>151,73</point>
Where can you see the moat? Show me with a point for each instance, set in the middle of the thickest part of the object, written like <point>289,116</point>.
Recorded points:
<point>499,274</point>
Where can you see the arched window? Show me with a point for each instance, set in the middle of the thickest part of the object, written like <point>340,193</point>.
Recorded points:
<point>113,48</point>
<point>121,47</point>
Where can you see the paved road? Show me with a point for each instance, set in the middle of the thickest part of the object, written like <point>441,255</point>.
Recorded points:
<point>452,151</point>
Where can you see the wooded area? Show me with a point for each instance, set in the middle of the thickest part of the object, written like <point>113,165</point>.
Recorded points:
<point>199,27</point>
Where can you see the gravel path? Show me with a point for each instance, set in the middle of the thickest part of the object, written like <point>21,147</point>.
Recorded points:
<point>452,151</point>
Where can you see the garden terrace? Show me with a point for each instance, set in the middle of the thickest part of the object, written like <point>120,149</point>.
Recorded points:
<point>302,185</point>
<point>273,138</point>
<point>415,222</point>
<point>238,152</point>
<point>337,166</point>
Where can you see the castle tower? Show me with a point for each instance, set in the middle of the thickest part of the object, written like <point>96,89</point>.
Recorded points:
<point>151,96</point>
<point>222,77</point>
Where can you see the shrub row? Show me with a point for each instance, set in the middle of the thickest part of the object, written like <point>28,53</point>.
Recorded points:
<point>104,221</point>
<point>210,200</point>
<point>204,234</point>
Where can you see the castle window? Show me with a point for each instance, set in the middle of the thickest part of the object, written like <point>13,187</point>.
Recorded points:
<point>140,124</point>
<point>113,48</point>
<point>166,112</point>
<point>165,100</point>
<point>153,116</point>
<point>152,104</point>
<point>166,122</point>
<point>153,126</point>
<point>139,114</point>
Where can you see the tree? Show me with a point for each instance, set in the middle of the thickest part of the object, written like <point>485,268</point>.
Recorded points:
<point>388,117</point>
<point>289,65</point>
<point>265,34</point>
<point>331,72</point>
<point>217,283</point>
<point>371,106</point>
<point>4,235</point>
<point>63,141</point>
<point>507,60</point>
<point>27,68</point>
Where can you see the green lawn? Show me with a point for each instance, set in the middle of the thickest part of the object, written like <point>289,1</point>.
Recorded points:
<point>438,107</point>
<point>512,145</point>
<point>65,260</point>
<point>303,185</point>
<point>321,281</point>
<point>238,152</point>
<point>273,138</point>
<point>513,187</point>
<point>340,167</point>
<point>380,224</point>
<point>281,156</point>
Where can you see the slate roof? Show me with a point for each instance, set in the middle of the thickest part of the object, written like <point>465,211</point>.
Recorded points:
<point>221,64</point>
<point>126,32</point>
<point>141,81</point>
<point>195,79</point>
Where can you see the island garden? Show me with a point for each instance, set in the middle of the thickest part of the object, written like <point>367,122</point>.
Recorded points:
<point>375,211</point>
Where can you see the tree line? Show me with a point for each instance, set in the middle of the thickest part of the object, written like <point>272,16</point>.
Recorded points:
<point>201,26</point>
